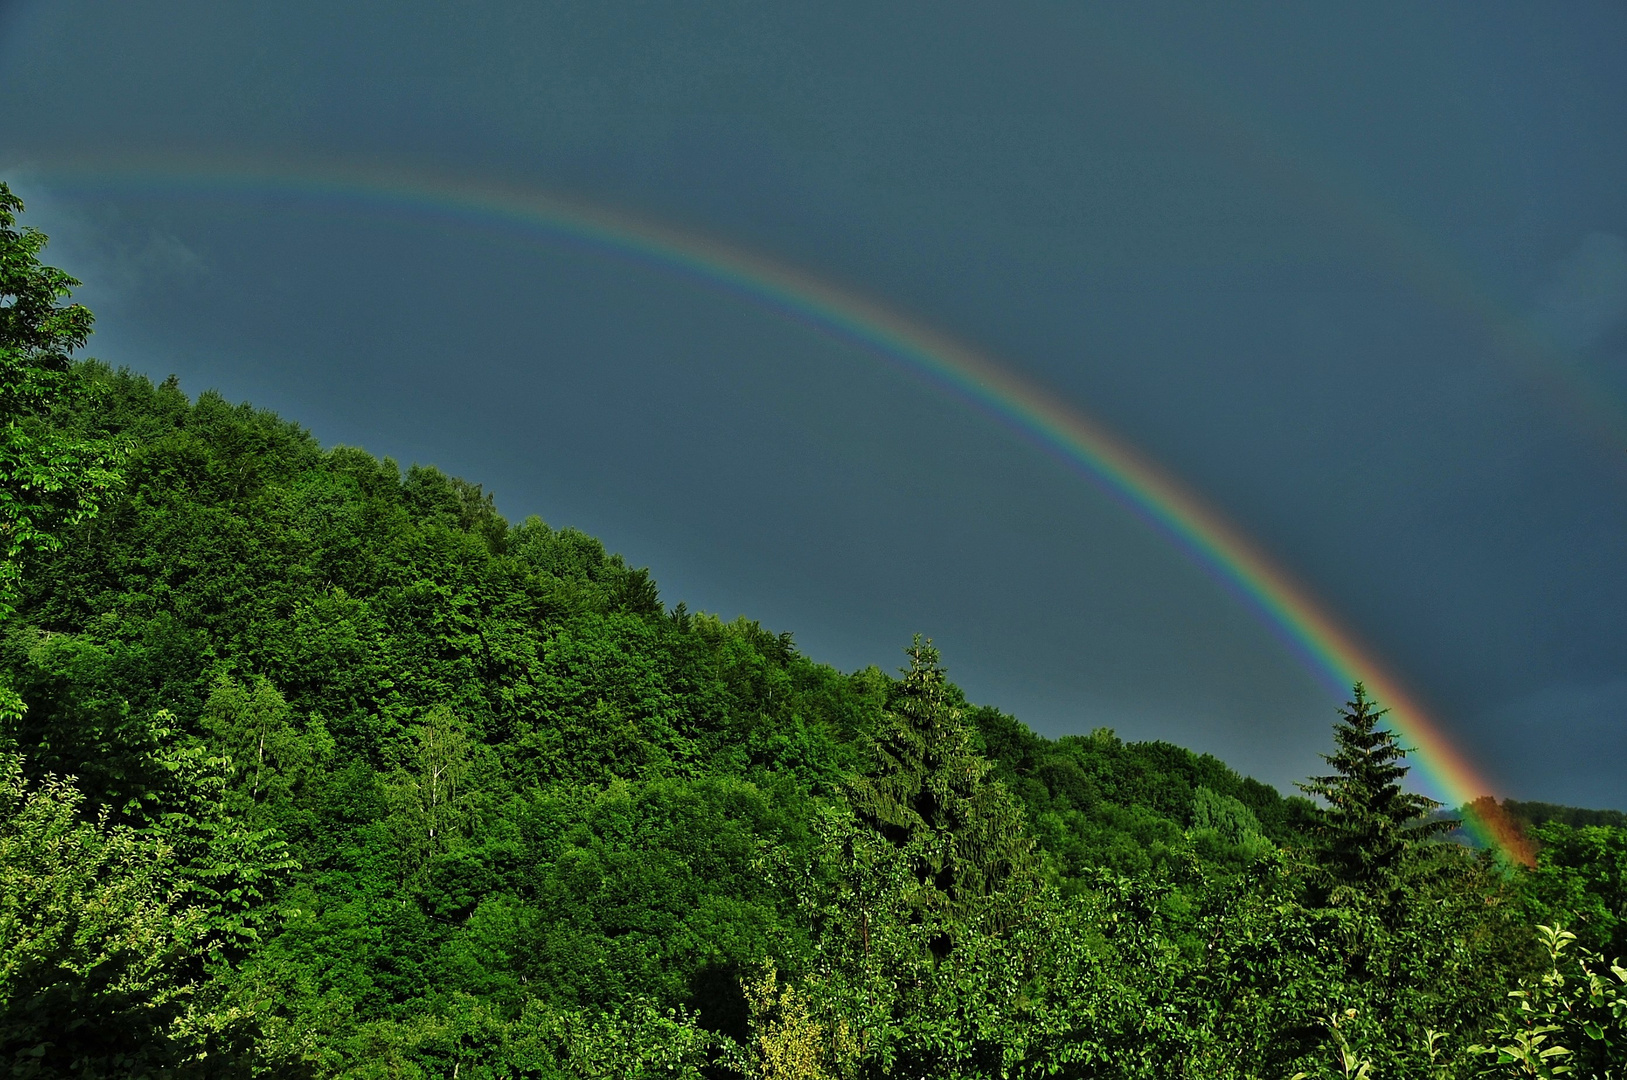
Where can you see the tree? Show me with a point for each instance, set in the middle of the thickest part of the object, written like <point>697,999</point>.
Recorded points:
<point>930,791</point>
<point>443,759</point>
<point>1371,823</point>
<point>97,945</point>
<point>1222,827</point>
<point>253,725</point>
<point>48,479</point>
<point>427,790</point>
<point>1581,879</point>
<point>1569,1017</point>
<point>789,1039</point>
<point>226,867</point>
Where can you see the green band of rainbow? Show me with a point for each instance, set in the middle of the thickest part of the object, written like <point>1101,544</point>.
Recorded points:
<point>1331,651</point>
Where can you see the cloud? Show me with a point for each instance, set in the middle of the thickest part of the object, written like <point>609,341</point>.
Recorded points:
<point>1578,707</point>
<point>1565,743</point>
<point>118,259</point>
<point>153,256</point>
<point>1587,294</point>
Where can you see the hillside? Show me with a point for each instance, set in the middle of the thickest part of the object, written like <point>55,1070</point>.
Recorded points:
<point>480,740</point>
<point>312,767</point>
<point>428,777</point>
<point>248,577</point>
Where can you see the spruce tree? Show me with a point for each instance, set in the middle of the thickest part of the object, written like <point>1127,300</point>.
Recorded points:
<point>930,792</point>
<point>1371,823</point>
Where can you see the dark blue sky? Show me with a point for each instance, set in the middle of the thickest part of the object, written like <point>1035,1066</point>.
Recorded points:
<point>1277,247</point>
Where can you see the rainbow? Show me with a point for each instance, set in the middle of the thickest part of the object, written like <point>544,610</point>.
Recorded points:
<point>1331,651</point>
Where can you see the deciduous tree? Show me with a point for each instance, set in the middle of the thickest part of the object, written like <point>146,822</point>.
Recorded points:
<point>48,479</point>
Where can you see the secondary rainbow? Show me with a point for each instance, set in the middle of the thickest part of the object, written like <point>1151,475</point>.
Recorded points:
<point>1356,219</point>
<point>1153,494</point>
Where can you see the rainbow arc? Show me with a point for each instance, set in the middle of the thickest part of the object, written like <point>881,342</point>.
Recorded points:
<point>1174,511</point>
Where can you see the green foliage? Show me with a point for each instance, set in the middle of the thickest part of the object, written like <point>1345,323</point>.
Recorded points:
<point>930,793</point>
<point>1097,801</point>
<point>50,478</point>
<point>1532,814</point>
<point>879,997</point>
<point>463,1036</point>
<point>1569,1018</point>
<point>790,1038</point>
<point>99,948</point>
<point>1222,826</point>
<point>225,866</point>
<point>370,782</point>
<point>1581,880</point>
<point>1372,823</point>
<point>271,760</point>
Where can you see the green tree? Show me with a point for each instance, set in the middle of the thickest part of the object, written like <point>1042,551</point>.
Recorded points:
<point>1371,822</point>
<point>49,479</point>
<point>1223,829</point>
<point>876,998</point>
<point>227,868</point>
<point>1581,880</point>
<point>632,811</point>
<point>253,725</point>
<point>429,791</point>
<point>1224,814</point>
<point>97,944</point>
<point>927,784</point>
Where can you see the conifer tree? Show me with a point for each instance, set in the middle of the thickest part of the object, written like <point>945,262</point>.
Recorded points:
<point>1371,823</point>
<point>930,792</point>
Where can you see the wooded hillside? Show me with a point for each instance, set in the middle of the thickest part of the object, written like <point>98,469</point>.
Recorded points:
<point>315,766</point>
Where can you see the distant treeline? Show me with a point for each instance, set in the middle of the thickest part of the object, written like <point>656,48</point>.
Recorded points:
<point>1541,813</point>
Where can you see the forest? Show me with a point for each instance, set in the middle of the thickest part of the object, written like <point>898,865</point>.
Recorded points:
<point>314,766</point>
